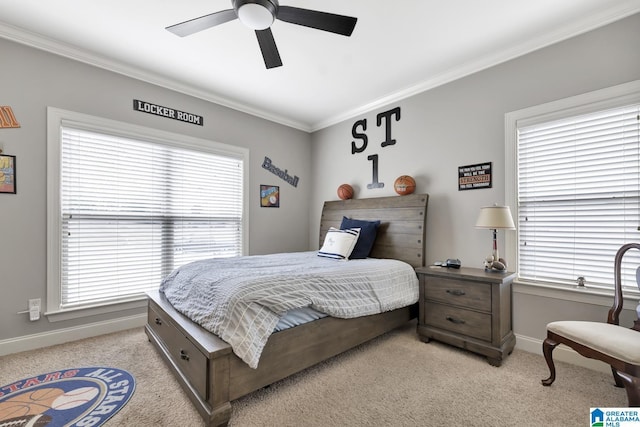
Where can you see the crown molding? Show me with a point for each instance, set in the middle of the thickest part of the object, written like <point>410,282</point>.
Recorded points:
<point>589,23</point>
<point>40,42</point>
<point>585,25</point>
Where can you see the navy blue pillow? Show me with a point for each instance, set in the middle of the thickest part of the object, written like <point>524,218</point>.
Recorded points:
<point>368,232</point>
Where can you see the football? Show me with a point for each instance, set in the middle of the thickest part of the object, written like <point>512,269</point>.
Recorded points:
<point>404,185</point>
<point>39,420</point>
<point>345,191</point>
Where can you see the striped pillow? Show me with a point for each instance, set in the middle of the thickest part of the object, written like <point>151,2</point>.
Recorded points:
<point>339,244</point>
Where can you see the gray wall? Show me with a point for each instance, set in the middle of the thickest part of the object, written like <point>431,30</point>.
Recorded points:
<point>462,123</point>
<point>452,125</point>
<point>33,79</point>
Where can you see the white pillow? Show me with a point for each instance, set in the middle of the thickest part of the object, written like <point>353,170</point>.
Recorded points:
<point>339,244</point>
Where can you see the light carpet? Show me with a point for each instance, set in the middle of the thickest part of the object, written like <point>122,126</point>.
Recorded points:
<point>394,380</point>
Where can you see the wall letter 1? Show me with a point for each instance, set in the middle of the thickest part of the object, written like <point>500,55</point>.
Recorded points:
<point>375,183</point>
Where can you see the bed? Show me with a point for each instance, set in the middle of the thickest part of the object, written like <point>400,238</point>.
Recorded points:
<point>212,375</point>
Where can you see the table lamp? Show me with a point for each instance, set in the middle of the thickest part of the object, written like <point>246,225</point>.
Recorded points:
<point>495,217</point>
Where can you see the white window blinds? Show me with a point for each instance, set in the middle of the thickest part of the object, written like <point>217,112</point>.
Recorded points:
<point>133,210</point>
<point>578,188</point>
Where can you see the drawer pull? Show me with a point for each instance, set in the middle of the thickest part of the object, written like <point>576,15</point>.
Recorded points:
<point>184,355</point>
<point>158,321</point>
<point>456,292</point>
<point>455,320</point>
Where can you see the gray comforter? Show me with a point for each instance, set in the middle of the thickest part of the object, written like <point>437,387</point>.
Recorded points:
<point>241,299</point>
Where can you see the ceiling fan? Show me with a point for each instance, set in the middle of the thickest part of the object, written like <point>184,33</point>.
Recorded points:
<point>259,15</point>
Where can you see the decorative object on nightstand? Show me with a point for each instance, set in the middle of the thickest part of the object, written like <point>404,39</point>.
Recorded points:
<point>495,217</point>
<point>469,308</point>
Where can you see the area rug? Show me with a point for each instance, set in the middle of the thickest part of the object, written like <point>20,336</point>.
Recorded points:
<point>81,397</point>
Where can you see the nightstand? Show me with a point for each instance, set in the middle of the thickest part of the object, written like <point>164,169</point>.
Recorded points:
<point>469,308</point>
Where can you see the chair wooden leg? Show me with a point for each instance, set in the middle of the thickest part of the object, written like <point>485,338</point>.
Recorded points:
<point>547,349</point>
<point>632,386</point>
<point>617,378</point>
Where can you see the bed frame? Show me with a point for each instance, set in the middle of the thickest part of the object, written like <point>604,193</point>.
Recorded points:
<point>213,376</point>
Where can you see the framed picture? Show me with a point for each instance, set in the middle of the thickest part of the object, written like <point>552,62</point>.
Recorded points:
<point>7,174</point>
<point>472,177</point>
<point>269,196</point>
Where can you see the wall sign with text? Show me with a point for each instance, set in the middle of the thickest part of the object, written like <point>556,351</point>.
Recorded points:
<point>356,147</point>
<point>159,110</point>
<point>472,177</point>
<point>7,118</point>
<point>284,174</point>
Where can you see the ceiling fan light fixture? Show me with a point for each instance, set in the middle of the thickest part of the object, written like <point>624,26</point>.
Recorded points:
<point>257,16</point>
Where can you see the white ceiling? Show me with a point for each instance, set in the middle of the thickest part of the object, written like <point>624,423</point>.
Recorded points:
<point>398,47</point>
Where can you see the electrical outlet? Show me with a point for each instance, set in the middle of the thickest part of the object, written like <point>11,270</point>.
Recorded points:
<point>34,309</point>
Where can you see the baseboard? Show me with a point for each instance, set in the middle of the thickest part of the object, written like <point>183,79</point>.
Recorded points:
<point>60,336</point>
<point>561,354</point>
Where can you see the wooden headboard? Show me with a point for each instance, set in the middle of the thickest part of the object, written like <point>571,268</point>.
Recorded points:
<point>403,221</point>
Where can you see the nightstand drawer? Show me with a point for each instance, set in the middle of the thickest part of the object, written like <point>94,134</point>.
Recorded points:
<point>458,320</point>
<point>475,295</point>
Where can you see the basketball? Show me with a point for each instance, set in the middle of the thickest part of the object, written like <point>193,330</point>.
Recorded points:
<point>404,185</point>
<point>345,191</point>
<point>29,403</point>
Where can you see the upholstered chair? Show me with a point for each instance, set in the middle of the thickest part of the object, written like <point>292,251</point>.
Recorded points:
<point>609,342</point>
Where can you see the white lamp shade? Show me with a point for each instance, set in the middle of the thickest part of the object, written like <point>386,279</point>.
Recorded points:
<point>255,16</point>
<point>495,217</point>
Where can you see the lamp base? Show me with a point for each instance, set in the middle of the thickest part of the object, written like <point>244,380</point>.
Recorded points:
<point>491,264</point>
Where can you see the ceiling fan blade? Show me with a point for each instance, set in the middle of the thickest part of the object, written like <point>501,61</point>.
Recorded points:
<point>268,48</point>
<point>195,25</point>
<point>324,21</point>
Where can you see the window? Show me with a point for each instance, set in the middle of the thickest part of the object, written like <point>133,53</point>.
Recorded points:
<point>576,187</point>
<point>127,205</point>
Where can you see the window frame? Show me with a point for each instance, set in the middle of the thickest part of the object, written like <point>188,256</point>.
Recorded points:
<point>55,119</point>
<point>611,97</point>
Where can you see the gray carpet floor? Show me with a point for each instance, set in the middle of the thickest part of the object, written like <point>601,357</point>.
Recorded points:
<point>394,380</point>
